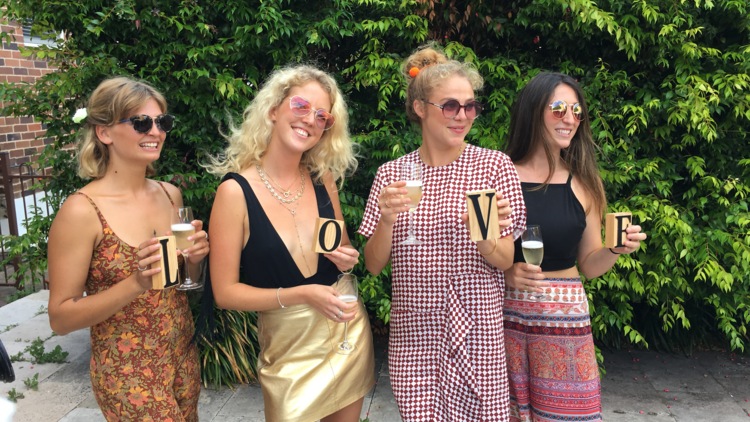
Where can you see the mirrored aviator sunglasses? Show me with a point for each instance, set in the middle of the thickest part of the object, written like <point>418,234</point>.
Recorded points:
<point>301,108</point>
<point>143,123</point>
<point>560,109</point>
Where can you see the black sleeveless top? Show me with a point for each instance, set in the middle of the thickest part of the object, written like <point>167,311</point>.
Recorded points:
<point>265,260</point>
<point>560,215</point>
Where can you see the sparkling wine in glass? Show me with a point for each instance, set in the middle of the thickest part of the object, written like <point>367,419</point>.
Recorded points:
<point>349,289</point>
<point>533,252</point>
<point>181,230</point>
<point>411,173</point>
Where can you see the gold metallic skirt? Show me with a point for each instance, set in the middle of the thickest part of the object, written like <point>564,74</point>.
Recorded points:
<point>303,379</point>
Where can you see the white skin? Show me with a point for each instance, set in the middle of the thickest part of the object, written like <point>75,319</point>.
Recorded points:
<point>593,259</point>
<point>442,140</point>
<point>134,207</point>
<point>230,230</point>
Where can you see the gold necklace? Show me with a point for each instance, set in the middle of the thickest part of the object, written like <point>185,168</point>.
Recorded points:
<point>286,191</point>
<point>262,174</point>
<point>460,151</point>
<point>284,203</point>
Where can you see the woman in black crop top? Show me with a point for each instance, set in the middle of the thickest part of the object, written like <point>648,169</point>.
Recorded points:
<point>280,171</point>
<point>550,350</point>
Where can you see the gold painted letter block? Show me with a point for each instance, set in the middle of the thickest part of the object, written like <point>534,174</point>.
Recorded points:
<point>327,235</point>
<point>615,225</point>
<point>168,276</point>
<point>482,209</point>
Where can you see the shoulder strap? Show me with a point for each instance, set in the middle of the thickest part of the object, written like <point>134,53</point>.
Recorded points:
<point>570,178</point>
<point>98,213</point>
<point>325,206</point>
<point>169,197</point>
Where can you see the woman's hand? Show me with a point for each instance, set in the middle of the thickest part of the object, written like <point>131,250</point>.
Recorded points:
<point>634,240</point>
<point>527,277</point>
<point>345,258</point>
<point>503,214</point>
<point>200,249</point>
<point>144,273</point>
<point>325,299</point>
<point>391,203</point>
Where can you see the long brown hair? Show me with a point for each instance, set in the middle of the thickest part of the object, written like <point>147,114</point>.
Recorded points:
<point>527,132</point>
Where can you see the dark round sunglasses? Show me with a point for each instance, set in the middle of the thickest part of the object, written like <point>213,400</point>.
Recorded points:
<point>143,123</point>
<point>451,108</point>
<point>560,109</point>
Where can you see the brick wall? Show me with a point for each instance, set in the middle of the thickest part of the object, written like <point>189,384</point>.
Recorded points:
<point>22,137</point>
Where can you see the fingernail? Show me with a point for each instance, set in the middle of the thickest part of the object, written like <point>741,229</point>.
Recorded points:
<point>190,238</point>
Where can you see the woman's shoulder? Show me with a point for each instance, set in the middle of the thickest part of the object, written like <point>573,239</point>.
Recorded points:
<point>78,211</point>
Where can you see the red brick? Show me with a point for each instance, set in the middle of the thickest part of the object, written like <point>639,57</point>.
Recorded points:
<point>6,53</point>
<point>12,62</point>
<point>16,153</point>
<point>35,72</point>
<point>37,142</point>
<point>16,55</point>
<point>20,128</point>
<point>29,79</point>
<point>22,144</point>
<point>9,29</point>
<point>6,70</point>
<point>2,120</point>
<point>6,129</point>
<point>3,78</point>
<point>6,146</point>
<point>26,63</point>
<point>35,127</point>
<point>28,135</point>
<point>12,120</point>
<point>40,134</point>
<point>46,71</point>
<point>14,79</point>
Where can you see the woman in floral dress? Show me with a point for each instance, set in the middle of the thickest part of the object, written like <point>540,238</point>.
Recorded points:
<point>446,353</point>
<point>144,366</point>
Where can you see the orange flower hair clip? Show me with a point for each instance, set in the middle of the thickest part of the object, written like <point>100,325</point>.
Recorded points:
<point>414,71</point>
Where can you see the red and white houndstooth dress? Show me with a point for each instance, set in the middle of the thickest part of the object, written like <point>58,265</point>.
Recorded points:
<point>447,351</point>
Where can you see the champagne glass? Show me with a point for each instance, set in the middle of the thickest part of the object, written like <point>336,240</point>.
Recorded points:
<point>181,230</point>
<point>533,252</point>
<point>412,175</point>
<point>349,289</point>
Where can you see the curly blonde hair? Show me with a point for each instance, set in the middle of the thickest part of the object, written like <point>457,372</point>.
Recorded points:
<point>113,100</point>
<point>247,143</point>
<point>434,67</point>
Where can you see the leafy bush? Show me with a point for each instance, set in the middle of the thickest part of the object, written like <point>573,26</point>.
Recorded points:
<point>667,84</point>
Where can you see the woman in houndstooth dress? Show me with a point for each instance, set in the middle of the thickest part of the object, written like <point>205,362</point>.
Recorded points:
<point>447,357</point>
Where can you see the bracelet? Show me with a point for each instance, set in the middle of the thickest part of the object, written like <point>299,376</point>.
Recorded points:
<point>277,297</point>
<point>493,250</point>
<point>616,253</point>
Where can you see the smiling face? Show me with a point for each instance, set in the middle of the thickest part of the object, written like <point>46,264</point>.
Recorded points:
<point>438,129</point>
<point>124,143</point>
<point>298,134</point>
<point>560,132</point>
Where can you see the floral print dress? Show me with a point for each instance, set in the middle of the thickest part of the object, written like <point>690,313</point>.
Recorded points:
<point>144,366</point>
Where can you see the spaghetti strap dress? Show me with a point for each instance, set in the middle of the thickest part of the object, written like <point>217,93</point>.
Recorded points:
<point>302,378</point>
<point>144,366</point>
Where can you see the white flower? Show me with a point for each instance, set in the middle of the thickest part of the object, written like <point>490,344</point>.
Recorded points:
<point>80,115</point>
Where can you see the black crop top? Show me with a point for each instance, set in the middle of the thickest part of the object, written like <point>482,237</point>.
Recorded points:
<point>562,220</point>
<point>265,260</point>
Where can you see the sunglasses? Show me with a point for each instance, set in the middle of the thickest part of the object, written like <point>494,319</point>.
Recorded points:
<point>560,109</point>
<point>143,123</point>
<point>451,108</point>
<point>301,108</point>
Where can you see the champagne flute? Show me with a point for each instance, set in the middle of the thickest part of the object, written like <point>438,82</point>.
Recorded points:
<point>412,175</point>
<point>349,289</point>
<point>533,252</point>
<point>181,230</point>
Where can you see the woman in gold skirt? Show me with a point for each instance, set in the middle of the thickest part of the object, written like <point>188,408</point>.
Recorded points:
<point>279,172</point>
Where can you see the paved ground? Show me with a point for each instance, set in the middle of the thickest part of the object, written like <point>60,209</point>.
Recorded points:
<point>710,386</point>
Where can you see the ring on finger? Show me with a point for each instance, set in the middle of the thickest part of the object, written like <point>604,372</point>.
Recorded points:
<point>206,237</point>
<point>141,269</point>
<point>526,287</point>
<point>387,203</point>
<point>340,313</point>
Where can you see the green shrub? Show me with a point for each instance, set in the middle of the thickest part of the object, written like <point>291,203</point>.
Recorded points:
<point>667,84</point>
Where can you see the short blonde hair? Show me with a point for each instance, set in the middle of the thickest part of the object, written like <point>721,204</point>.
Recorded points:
<point>434,67</point>
<point>247,143</point>
<point>113,100</point>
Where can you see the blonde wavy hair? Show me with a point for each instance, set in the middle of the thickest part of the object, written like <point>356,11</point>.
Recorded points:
<point>113,100</point>
<point>434,67</point>
<point>247,143</point>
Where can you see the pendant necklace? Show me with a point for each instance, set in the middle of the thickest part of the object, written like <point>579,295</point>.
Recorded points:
<point>284,203</point>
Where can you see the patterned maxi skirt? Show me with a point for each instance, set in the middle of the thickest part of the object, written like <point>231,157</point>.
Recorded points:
<point>551,358</point>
